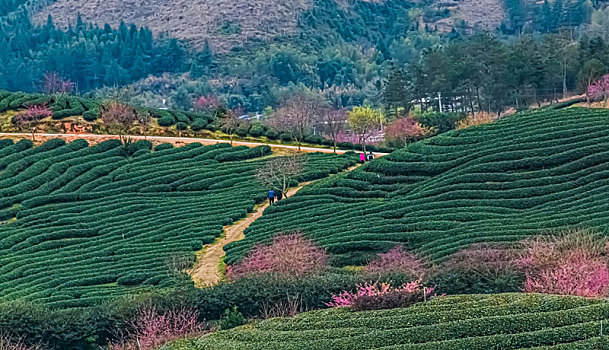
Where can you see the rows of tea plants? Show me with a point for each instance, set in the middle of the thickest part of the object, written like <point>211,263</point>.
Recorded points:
<point>82,223</point>
<point>64,106</point>
<point>479,322</point>
<point>501,182</point>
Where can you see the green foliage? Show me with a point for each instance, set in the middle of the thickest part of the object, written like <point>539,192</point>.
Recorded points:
<point>232,318</point>
<point>478,322</point>
<point>199,124</point>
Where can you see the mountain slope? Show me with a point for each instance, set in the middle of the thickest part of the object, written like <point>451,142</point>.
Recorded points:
<point>232,22</point>
<point>523,175</point>
<point>224,21</point>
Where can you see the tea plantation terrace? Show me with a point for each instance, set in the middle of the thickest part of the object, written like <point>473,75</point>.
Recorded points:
<point>83,224</point>
<point>523,175</point>
<point>478,322</point>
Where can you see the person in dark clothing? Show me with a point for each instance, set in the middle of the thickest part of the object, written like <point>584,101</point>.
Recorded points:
<point>370,156</point>
<point>271,196</point>
<point>279,195</point>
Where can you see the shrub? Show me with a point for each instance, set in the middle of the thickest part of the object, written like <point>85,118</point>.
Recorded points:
<point>481,268</point>
<point>570,263</point>
<point>90,115</point>
<point>271,134</point>
<point>287,255</point>
<point>578,274</point>
<point>163,146</point>
<point>232,318</point>
<point>376,296</point>
<point>285,137</point>
<point>315,139</point>
<point>151,328</point>
<point>199,124</point>
<point>396,260</point>
<point>181,126</point>
<point>257,130</point>
<point>167,120</point>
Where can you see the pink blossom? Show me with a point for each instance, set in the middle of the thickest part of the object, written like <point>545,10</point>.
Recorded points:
<point>287,255</point>
<point>151,328</point>
<point>574,263</point>
<point>206,102</point>
<point>396,260</point>
<point>348,298</point>
<point>599,90</point>
<point>576,274</point>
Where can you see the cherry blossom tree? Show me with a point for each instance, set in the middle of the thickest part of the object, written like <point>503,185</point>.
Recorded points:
<point>207,102</point>
<point>55,84</point>
<point>118,118</point>
<point>599,90</point>
<point>404,130</point>
<point>30,118</point>
<point>288,255</point>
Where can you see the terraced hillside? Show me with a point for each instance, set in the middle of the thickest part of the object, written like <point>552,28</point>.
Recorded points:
<point>501,182</point>
<point>84,224</point>
<point>482,322</point>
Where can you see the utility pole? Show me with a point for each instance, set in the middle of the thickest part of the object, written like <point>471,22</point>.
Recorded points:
<point>440,101</point>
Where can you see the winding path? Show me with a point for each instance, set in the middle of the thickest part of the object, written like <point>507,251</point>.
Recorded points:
<point>206,271</point>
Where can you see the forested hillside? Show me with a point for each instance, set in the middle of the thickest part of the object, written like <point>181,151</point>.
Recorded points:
<point>253,55</point>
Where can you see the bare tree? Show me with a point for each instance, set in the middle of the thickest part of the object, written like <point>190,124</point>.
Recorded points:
<point>118,118</point>
<point>331,122</point>
<point>297,116</point>
<point>30,118</point>
<point>279,172</point>
<point>144,121</point>
<point>229,124</point>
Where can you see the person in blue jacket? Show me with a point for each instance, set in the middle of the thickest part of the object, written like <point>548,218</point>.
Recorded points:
<point>271,196</point>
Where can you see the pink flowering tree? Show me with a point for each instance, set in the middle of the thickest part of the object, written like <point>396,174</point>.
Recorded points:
<point>55,84</point>
<point>208,102</point>
<point>150,328</point>
<point>376,296</point>
<point>30,118</point>
<point>599,90</point>
<point>574,263</point>
<point>401,131</point>
<point>288,255</point>
<point>396,260</point>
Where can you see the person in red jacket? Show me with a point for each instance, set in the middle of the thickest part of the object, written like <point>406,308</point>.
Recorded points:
<point>362,158</point>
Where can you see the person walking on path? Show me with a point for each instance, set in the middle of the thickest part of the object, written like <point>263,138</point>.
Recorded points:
<point>271,196</point>
<point>370,156</point>
<point>362,158</point>
<point>279,195</point>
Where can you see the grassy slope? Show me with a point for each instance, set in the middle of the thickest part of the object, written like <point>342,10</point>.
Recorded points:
<point>479,322</point>
<point>84,224</point>
<point>523,175</point>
